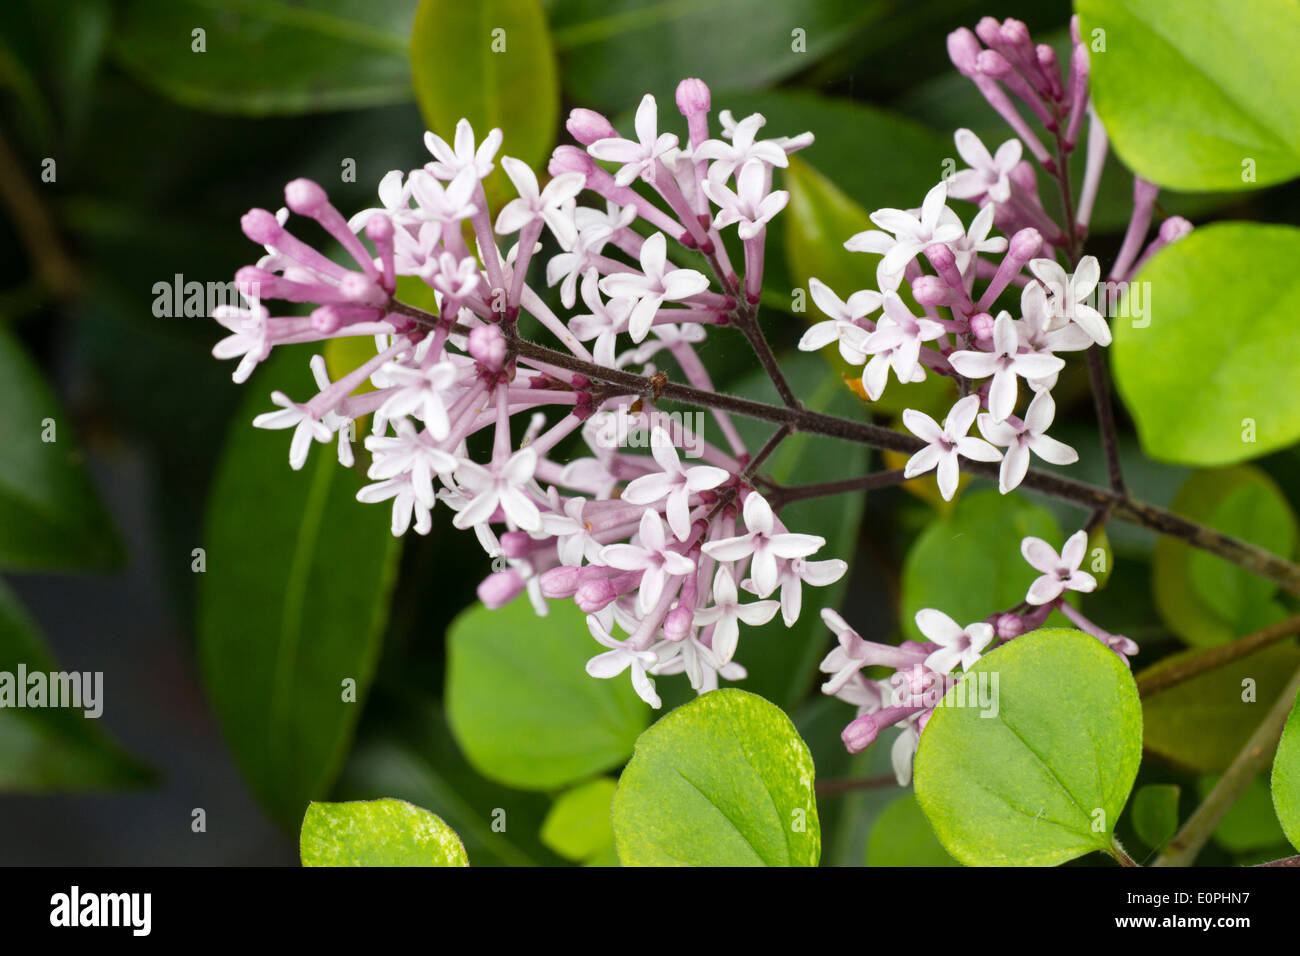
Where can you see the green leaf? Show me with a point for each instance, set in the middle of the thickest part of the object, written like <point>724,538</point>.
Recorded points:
<point>1250,823</point>
<point>492,63</point>
<point>782,662</point>
<point>722,781</point>
<point>616,50</point>
<point>1203,723</point>
<point>578,826</point>
<point>821,218</point>
<point>1155,813</point>
<point>1286,777</point>
<point>1203,374</point>
<point>51,518</point>
<point>377,833</point>
<point>969,563</point>
<point>269,57</point>
<point>1202,598</point>
<point>1189,91</point>
<point>292,604</point>
<point>902,837</point>
<point>1042,780</point>
<point>51,748</point>
<point>408,752</point>
<point>520,701</point>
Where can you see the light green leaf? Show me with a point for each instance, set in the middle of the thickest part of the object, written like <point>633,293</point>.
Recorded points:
<point>1203,723</point>
<point>269,57</point>
<point>969,563</point>
<point>292,604</point>
<point>377,833</point>
<point>1204,374</point>
<point>1286,777</point>
<point>1190,91</point>
<point>51,518</point>
<point>1250,823</point>
<point>520,701</point>
<point>616,50</point>
<point>492,63</point>
<point>1155,813</point>
<point>1043,779</point>
<point>902,837</point>
<point>722,781</point>
<point>1204,599</point>
<point>578,826</point>
<point>51,748</point>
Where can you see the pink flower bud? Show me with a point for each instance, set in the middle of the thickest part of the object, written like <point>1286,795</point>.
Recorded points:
<point>561,582</point>
<point>570,159</point>
<point>516,544</point>
<point>677,623</point>
<point>305,197</point>
<point>1174,228</point>
<point>500,588</point>
<point>488,346</point>
<point>379,228</point>
<point>587,126</point>
<point>963,50</point>
<point>931,291</point>
<point>261,226</point>
<point>594,596</point>
<point>692,97</point>
<point>859,734</point>
<point>994,64</point>
<point>326,320</point>
<point>1009,626</point>
<point>359,290</point>
<point>1025,244</point>
<point>981,328</point>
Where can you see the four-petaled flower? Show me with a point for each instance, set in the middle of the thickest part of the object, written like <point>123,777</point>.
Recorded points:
<point>751,204</point>
<point>956,644</point>
<point>500,488</point>
<point>654,284</point>
<point>943,445</point>
<point>652,556</point>
<point>533,204</point>
<point>640,155</point>
<point>674,482</point>
<point>621,656</point>
<point>1005,363</point>
<point>1029,436</point>
<point>304,423</point>
<point>764,543</point>
<point>1060,572</point>
<point>842,325</point>
<point>1067,295</point>
<point>912,233</point>
<point>727,612</point>
<point>988,175</point>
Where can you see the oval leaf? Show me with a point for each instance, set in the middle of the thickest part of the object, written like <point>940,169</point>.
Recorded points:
<point>578,827</point>
<point>1286,777</point>
<point>377,833</point>
<point>1192,91</point>
<point>722,781</point>
<point>292,604</point>
<point>1155,813</point>
<point>50,748</point>
<point>1204,599</point>
<point>1041,777</point>
<point>902,836</point>
<point>1205,370</point>
<point>490,62</point>
<point>267,57</point>
<point>1203,723</point>
<point>968,562</point>
<point>520,701</point>
<point>51,518</point>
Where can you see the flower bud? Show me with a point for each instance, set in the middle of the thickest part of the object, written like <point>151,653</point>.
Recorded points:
<point>692,97</point>
<point>516,544</point>
<point>570,159</point>
<point>305,197</point>
<point>326,320</point>
<point>1009,626</point>
<point>594,596</point>
<point>488,347</point>
<point>859,734</point>
<point>261,226</point>
<point>1025,245</point>
<point>981,328</point>
<point>677,623</point>
<point>587,126</point>
<point>379,228</point>
<point>500,588</point>
<point>1174,228</point>
<point>561,582</point>
<point>963,50</point>
<point>994,64</point>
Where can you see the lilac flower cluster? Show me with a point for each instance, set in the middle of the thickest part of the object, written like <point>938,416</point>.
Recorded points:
<point>655,551</point>
<point>955,274</point>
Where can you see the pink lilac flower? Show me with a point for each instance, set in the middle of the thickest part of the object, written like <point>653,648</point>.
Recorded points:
<point>988,175</point>
<point>673,484</point>
<point>1060,573</point>
<point>764,542</point>
<point>1005,363</point>
<point>944,444</point>
<point>957,645</point>
<point>1029,436</point>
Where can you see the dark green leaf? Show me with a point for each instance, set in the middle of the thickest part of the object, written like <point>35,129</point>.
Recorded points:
<point>51,519</point>
<point>292,604</point>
